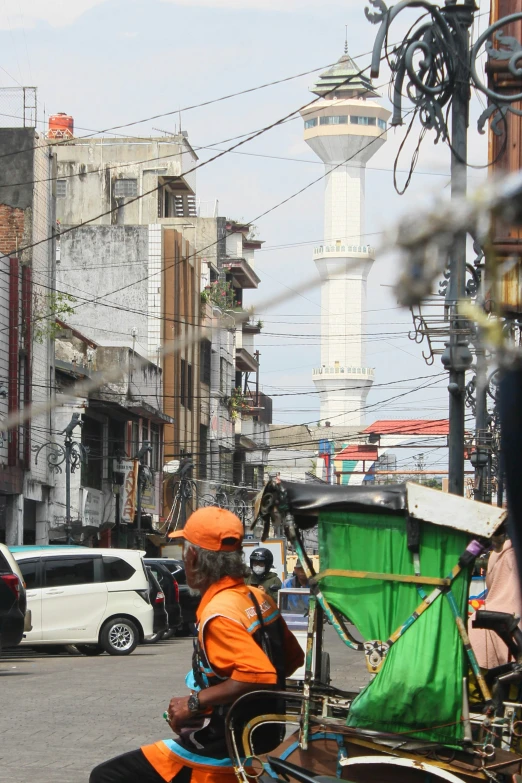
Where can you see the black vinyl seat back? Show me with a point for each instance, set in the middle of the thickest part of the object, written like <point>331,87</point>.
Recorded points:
<point>505,625</point>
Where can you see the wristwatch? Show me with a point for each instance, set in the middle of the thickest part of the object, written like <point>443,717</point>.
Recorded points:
<point>193,704</point>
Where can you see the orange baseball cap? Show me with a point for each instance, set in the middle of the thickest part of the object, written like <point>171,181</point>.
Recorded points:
<point>212,528</point>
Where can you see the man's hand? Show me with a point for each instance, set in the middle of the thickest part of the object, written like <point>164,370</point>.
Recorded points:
<point>180,716</point>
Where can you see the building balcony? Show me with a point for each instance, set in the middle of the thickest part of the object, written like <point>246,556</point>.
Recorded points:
<point>242,273</point>
<point>245,362</point>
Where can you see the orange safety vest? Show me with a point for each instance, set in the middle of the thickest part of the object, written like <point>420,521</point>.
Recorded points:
<point>204,750</point>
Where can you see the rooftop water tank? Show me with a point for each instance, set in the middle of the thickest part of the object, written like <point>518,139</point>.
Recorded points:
<point>61,126</point>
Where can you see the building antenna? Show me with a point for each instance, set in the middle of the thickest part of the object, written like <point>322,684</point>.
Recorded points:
<point>346,40</point>
<point>179,120</point>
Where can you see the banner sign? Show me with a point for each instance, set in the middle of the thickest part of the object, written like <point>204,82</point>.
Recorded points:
<point>129,468</point>
<point>92,506</point>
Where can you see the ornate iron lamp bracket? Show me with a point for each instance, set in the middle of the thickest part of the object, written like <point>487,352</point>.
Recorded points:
<point>433,58</point>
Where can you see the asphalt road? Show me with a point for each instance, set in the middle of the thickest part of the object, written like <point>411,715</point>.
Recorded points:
<point>60,715</point>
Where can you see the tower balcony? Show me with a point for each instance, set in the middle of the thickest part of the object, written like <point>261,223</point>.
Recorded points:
<point>343,249</point>
<point>325,373</point>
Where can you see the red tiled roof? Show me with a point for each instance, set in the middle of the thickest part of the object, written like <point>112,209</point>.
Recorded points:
<point>409,427</point>
<point>358,452</point>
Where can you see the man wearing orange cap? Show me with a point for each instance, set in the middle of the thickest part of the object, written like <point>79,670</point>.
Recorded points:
<point>243,644</point>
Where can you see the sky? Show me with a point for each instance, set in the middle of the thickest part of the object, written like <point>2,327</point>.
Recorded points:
<point>112,62</point>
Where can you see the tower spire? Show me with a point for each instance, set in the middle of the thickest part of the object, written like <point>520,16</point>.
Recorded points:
<point>346,40</point>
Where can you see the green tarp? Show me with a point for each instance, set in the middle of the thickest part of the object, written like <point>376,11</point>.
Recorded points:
<point>418,690</point>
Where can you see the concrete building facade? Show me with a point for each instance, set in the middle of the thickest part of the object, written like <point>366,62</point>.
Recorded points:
<point>27,305</point>
<point>116,421</point>
<point>344,128</point>
<point>144,277</point>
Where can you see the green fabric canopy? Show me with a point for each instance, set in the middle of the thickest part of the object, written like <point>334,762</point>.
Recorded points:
<point>418,690</point>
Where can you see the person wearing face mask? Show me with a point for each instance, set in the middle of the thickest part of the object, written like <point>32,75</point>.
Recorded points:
<point>261,561</point>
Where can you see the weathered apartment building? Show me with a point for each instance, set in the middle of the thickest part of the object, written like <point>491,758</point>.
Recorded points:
<point>146,273</point>
<point>27,298</point>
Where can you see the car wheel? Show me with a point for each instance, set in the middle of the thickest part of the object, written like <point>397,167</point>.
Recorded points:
<point>169,633</point>
<point>119,636</point>
<point>89,649</point>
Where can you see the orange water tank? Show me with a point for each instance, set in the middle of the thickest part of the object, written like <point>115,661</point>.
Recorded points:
<point>61,126</point>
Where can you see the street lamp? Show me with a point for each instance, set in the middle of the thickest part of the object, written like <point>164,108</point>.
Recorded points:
<point>143,477</point>
<point>435,67</point>
<point>73,454</point>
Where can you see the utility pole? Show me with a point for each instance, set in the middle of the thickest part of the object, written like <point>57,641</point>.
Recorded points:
<point>68,445</point>
<point>457,357</point>
<point>72,454</point>
<point>435,68</point>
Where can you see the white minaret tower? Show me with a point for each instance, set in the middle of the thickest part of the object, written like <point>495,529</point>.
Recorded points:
<point>344,127</point>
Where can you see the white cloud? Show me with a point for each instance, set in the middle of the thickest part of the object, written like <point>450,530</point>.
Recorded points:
<point>58,13</point>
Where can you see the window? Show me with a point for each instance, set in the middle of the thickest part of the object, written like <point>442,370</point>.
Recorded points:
<point>29,569</point>
<point>205,358</point>
<point>116,570</point>
<point>178,573</point>
<point>357,120</point>
<point>342,120</point>
<point>182,382</point>
<point>5,568</point>
<point>66,571</point>
<point>116,446</point>
<point>125,188</point>
<point>190,390</point>
<point>310,123</point>
<point>203,445</point>
<point>382,124</point>
<point>61,188</point>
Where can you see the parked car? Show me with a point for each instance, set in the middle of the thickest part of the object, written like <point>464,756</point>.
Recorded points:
<point>170,587</point>
<point>157,600</point>
<point>13,601</point>
<point>96,599</point>
<point>188,601</point>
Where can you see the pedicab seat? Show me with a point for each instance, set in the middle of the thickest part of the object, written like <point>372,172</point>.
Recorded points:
<point>504,625</point>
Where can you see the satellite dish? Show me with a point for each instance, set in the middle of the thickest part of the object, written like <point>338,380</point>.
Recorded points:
<point>172,466</point>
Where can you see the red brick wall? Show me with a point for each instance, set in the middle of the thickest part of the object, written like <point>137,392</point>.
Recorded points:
<point>11,228</point>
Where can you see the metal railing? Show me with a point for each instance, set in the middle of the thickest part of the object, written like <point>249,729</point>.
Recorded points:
<point>337,370</point>
<point>18,107</point>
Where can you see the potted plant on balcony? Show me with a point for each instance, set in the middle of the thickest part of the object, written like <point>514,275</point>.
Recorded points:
<point>238,404</point>
<point>220,293</point>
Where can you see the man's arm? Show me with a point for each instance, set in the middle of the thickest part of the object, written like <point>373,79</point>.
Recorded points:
<point>224,693</point>
<point>234,655</point>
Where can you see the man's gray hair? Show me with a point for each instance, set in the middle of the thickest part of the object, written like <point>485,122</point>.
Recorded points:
<point>213,566</point>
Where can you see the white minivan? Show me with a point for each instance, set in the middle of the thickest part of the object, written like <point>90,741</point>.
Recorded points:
<point>95,599</point>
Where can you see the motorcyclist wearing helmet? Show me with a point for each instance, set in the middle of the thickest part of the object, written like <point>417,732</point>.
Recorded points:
<point>261,561</point>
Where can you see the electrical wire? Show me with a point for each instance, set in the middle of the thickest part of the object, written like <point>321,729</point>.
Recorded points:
<point>98,299</point>
<point>189,108</point>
